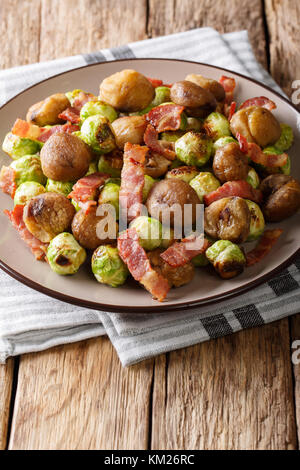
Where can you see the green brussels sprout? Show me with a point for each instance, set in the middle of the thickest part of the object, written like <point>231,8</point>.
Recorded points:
<point>92,108</point>
<point>59,187</point>
<point>184,173</point>
<point>227,258</point>
<point>149,231</point>
<point>107,266</point>
<point>285,169</point>
<point>167,236</point>
<point>204,183</point>
<point>93,168</point>
<point>110,195</point>
<point>72,95</point>
<point>217,126</point>
<point>222,142</point>
<point>286,138</point>
<point>175,164</point>
<point>110,166</point>
<point>17,147</point>
<point>149,182</point>
<point>253,178</point>
<point>28,168</point>
<point>162,95</point>
<point>96,132</point>
<point>200,260</point>
<point>65,255</point>
<point>171,136</point>
<point>193,148</point>
<point>27,191</point>
<point>257,221</point>
<point>194,124</point>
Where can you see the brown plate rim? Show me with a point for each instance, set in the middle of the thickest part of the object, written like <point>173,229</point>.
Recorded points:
<point>161,307</point>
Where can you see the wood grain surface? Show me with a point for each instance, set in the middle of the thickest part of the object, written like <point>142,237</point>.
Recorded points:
<point>235,392</point>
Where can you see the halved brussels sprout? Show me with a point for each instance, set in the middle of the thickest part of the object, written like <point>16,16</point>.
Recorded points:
<point>200,260</point>
<point>194,149</point>
<point>204,183</point>
<point>91,108</point>
<point>194,124</point>
<point>257,221</point>
<point>227,258</point>
<point>28,168</point>
<point>110,165</point>
<point>162,95</point>
<point>65,255</point>
<point>110,195</point>
<point>253,178</point>
<point>223,141</point>
<point>286,138</point>
<point>107,266</point>
<point>149,182</point>
<point>59,187</point>
<point>149,231</point>
<point>184,173</point>
<point>96,132</point>
<point>285,169</point>
<point>17,147</point>
<point>217,126</point>
<point>27,191</point>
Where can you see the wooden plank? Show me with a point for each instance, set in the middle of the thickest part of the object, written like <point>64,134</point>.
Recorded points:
<point>6,379</point>
<point>295,343</point>
<point>71,27</point>
<point>284,36</point>
<point>172,16</point>
<point>232,393</point>
<point>79,397</point>
<point>19,32</point>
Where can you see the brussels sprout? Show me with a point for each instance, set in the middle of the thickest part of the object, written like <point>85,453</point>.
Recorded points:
<point>17,147</point>
<point>227,258</point>
<point>193,148</point>
<point>27,191</point>
<point>114,180</point>
<point>253,178</point>
<point>204,183</point>
<point>223,141</point>
<point>194,124</point>
<point>96,132</point>
<point>110,165</point>
<point>285,169</point>
<point>110,195</point>
<point>171,136</point>
<point>107,266</point>
<point>200,260</point>
<point>175,164</point>
<point>217,126</point>
<point>257,221</point>
<point>286,138</point>
<point>98,107</point>
<point>149,231</point>
<point>162,95</point>
<point>72,95</point>
<point>93,168</point>
<point>28,168</point>
<point>149,182</point>
<point>59,187</point>
<point>184,173</point>
<point>64,254</point>
<point>167,236</point>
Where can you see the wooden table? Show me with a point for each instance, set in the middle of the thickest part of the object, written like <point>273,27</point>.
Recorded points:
<point>237,392</point>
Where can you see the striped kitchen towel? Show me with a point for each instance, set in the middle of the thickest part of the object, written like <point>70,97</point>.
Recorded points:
<point>30,321</point>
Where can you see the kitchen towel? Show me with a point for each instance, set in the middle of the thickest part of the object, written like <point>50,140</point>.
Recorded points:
<point>30,321</point>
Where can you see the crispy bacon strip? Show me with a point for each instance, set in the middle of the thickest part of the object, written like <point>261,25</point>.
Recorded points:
<point>86,191</point>
<point>231,110</point>
<point>132,180</point>
<point>239,188</point>
<point>38,248</point>
<point>263,247</point>
<point>166,117</point>
<point>255,153</point>
<point>31,131</point>
<point>151,140</point>
<point>70,114</point>
<point>229,84</point>
<point>155,82</point>
<point>261,101</point>
<point>135,257</point>
<point>182,252</point>
<point>8,181</point>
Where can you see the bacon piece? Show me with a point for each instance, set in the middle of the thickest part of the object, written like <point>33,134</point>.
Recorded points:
<point>255,153</point>
<point>83,98</point>
<point>263,247</point>
<point>31,131</point>
<point>261,101</point>
<point>70,114</point>
<point>135,257</point>
<point>132,180</point>
<point>231,110</point>
<point>86,190</point>
<point>229,84</point>
<point>8,181</point>
<point>155,82</point>
<point>239,188</point>
<point>182,252</point>
<point>166,117</point>
<point>38,248</point>
<point>161,147</point>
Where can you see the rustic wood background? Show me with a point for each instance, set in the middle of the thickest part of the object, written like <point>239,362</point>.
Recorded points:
<point>237,392</point>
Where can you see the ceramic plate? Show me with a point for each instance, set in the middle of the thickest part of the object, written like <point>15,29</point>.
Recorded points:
<point>82,289</point>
